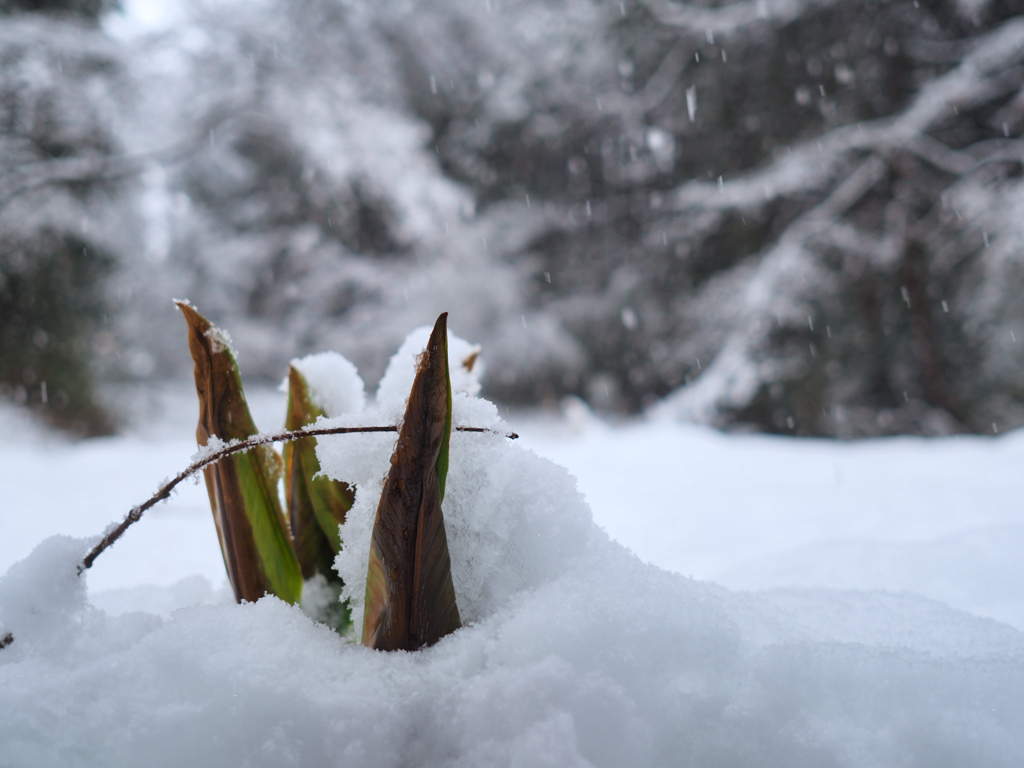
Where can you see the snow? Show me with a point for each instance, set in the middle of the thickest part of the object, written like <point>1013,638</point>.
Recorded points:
<point>96,484</point>
<point>851,604</point>
<point>937,517</point>
<point>464,370</point>
<point>42,594</point>
<point>513,520</point>
<point>334,383</point>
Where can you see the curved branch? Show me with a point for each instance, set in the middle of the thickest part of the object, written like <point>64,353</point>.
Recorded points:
<point>205,459</point>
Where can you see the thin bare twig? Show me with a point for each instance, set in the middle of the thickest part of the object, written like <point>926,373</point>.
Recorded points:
<point>264,438</point>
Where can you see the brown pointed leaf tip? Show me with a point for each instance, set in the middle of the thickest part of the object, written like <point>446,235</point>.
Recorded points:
<point>410,599</point>
<point>253,533</point>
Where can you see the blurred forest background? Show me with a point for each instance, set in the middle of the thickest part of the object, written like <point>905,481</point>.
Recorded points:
<point>795,216</point>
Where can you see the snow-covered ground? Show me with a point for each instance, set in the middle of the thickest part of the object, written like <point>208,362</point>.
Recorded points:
<point>850,604</point>
<point>942,518</point>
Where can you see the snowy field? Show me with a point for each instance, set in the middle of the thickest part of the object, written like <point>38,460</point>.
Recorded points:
<point>941,518</point>
<point>811,603</point>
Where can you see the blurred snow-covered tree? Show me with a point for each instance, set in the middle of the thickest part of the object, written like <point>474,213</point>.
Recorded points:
<point>757,209</point>
<point>851,266</point>
<point>64,220</point>
<point>794,215</point>
<point>319,213</point>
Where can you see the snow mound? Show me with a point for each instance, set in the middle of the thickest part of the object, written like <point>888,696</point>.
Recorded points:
<point>609,663</point>
<point>465,368</point>
<point>334,383</point>
<point>514,521</point>
<point>573,653</point>
<point>41,596</point>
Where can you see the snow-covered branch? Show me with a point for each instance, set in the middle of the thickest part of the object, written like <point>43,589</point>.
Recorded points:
<point>734,17</point>
<point>812,165</point>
